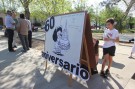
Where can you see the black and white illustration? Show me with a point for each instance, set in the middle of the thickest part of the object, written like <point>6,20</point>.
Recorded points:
<point>63,40</point>
<point>60,37</point>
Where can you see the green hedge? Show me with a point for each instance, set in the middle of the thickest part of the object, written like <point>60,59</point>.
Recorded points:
<point>128,31</point>
<point>97,31</point>
<point>123,31</point>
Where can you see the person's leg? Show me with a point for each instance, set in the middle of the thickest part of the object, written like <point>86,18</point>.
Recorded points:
<point>30,38</point>
<point>14,39</point>
<point>111,54</point>
<point>106,57</point>
<point>12,35</point>
<point>107,72</point>
<point>110,62</point>
<point>131,54</point>
<point>10,39</point>
<point>26,42</point>
<point>22,38</point>
<point>9,34</point>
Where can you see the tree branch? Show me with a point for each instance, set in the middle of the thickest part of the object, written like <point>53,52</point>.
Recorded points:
<point>125,2</point>
<point>22,3</point>
<point>132,2</point>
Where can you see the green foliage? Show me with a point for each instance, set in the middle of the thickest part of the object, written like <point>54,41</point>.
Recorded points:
<point>115,13</point>
<point>128,31</point>
<point>97,31</point>
<point>42,9</point>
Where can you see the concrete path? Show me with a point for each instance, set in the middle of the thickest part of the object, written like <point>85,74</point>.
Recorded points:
<point>27,71</point>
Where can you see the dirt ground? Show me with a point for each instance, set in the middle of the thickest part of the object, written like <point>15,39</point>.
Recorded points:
<point>37,44</point>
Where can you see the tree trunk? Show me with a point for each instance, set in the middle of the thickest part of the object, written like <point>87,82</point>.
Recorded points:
<point>132,2</point>
<point>4,8</point>
<point>27,13</point>
<point>120,22</point>
<point>25,4</point>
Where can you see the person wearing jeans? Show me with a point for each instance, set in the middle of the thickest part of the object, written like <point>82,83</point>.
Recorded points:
<point>10,26</point>
<point>24,41</point>
<point>23,32</point>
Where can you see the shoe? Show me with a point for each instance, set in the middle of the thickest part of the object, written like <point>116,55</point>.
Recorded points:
<point>130,57</point>
<point>103,74</point>
<point>23,51</point>
<point>94,72</point>
<point>11,50</point>
<point>14,46</point>
<point>107,72</point>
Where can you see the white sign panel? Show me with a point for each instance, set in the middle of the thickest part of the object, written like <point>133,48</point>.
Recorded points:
<point>64,40</point>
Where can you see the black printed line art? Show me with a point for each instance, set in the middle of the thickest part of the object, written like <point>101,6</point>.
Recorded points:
<point>60,37</point>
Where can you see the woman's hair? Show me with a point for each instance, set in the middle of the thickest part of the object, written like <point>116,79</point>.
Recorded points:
<point>55,37</point>
<point>22,16</point>
<point>110,20</point>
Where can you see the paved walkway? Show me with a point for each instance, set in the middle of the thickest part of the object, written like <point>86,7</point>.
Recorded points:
<point>123,37</point>
<point>26,71</point>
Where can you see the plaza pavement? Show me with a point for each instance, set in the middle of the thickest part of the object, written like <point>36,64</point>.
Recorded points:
<point>26,71</point>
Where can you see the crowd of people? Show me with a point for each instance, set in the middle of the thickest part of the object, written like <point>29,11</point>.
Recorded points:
<point>18,27</point>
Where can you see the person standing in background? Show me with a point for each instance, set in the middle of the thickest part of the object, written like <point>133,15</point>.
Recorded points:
<point>23,32</point>
<point>15,31</point>
<point>29,33</point>
<point>10,26</point>
<point>132,51</point>
<point>110,37</point>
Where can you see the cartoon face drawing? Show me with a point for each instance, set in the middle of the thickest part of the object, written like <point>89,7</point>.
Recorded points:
<point>60,38</point>
<point>57,34</point>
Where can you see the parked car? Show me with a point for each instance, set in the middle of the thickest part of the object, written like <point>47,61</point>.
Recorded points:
<point>34,28</point>
<point>5,31</point>
<point>131,40</point>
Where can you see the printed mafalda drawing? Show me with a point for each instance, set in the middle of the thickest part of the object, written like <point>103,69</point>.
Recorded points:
<point>60,37</point>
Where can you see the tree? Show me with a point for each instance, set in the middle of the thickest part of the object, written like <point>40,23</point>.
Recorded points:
<point>82,6</point>
<point>115,13</point>
<point>129,6</point>
<point>25,4</point>
<point>3,8</point>
<point>110,3</point>
<point>42,9</point>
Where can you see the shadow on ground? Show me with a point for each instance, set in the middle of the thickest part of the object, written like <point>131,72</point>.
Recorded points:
<point>56,79</point>
<point>6,57</point>
<point>114,64</point>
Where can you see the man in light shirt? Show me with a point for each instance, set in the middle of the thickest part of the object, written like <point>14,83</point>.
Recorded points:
<point>10,26</point>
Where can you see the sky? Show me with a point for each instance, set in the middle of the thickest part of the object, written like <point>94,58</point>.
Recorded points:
<point>95,4</point>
